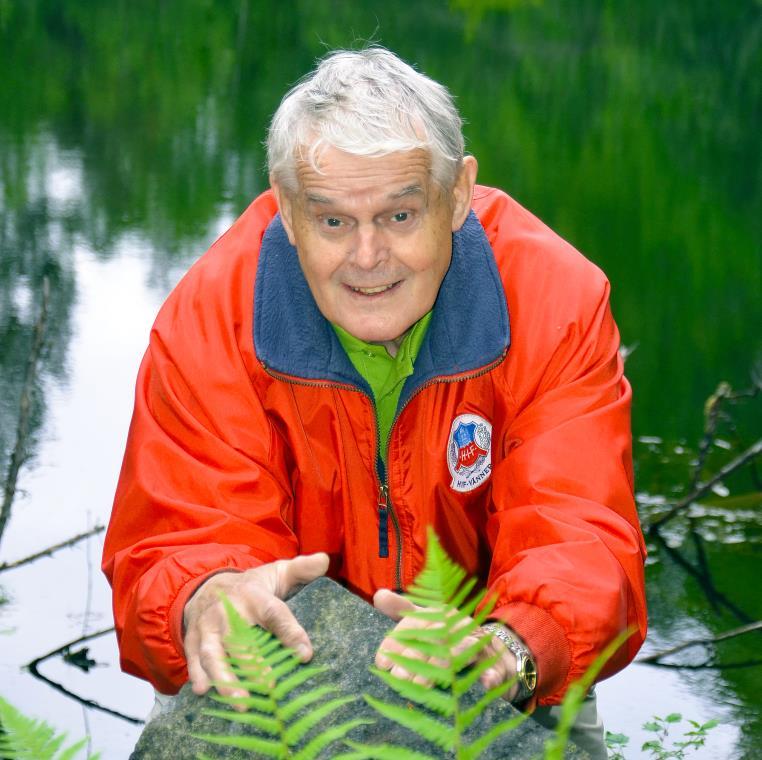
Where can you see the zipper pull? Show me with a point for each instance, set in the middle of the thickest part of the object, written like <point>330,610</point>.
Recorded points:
<point>383,521</point>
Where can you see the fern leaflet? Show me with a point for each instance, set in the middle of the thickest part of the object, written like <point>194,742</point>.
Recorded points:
<point>23,738</point>
<point>442,593</point>
<point>270,673</point>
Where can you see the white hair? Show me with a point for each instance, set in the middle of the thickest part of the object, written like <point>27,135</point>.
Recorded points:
<point>367,103</point>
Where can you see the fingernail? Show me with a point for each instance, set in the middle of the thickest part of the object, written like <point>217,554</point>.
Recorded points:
<point>303,652</point>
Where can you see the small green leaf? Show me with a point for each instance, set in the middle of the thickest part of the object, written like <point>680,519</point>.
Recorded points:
<point>477,748</point>
<point>416,667</point>
<point>381,752</point>
<point>417,634</point>
<point>713,723</point>
<point>298,703</point>
<point>266,747</point>
<point>651,726</point>
<point>294,733</point>
<point>674,718</point>
<point>277,672</point>
<point>465,657</point>
<point>262,704</point>
<point>260,722</point>
<point>73,751</point>
<point>460,597</point>
<point>434,699</point>
<point>616,740</point>
<point>429,728</point>
<point>465,682</point>
<point>467,717</point>
<point>427,615</point>
<point>316,745</point>
<point>428,648</point>
<point>297,679</point>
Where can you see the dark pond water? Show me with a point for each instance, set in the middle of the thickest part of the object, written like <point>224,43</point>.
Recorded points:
<point>130,136</point>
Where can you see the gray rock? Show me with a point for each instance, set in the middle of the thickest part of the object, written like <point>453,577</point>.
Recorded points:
<point>345,632</point>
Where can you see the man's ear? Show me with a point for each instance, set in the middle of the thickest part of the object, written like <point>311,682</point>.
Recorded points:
<point>285,201</point>
<point>463,191</point>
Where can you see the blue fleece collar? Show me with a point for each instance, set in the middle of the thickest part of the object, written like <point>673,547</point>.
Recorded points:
<point>469,328</point>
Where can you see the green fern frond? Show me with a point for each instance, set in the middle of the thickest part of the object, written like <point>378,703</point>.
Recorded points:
<point>443,592</point>
<point>23,738</point>
<point>575,696</point>
<point>271,673</point>
<point>381,752</point>
<point>476,748</point>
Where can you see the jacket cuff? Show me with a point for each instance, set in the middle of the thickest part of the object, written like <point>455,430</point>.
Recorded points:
<point>546,641</point>
<point>177,608</point>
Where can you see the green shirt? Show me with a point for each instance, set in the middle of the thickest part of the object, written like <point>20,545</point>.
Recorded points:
<point>385,373</point>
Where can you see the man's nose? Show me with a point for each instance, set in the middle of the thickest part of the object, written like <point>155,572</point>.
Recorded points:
<point>370,246</point>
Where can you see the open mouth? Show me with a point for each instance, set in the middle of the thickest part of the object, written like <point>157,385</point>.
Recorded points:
<point>374,291</point>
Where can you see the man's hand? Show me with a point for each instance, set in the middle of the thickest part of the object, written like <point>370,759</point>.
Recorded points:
<point>258,596</point>
<point>393,605</point>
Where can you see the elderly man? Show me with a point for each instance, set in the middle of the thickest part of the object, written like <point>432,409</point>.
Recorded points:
<point>338,373</point>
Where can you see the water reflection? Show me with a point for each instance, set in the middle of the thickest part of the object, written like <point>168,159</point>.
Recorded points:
<point>133,134</point>
<point>35,248</point>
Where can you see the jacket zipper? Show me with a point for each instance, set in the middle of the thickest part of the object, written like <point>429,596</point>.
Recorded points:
<point>384,503</point>
<point>385,508</point>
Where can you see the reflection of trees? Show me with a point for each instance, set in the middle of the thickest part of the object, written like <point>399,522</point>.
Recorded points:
<point>33,248</point>
<point>629,130</point>
<point>681,584</point>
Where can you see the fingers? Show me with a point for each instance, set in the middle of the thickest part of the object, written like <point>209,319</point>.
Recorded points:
<point>205,653</point>
<point>503,670</point>
<point>391,604</point>
<point>274,615</point>
<point>254,594</point>
<point>299,571</point>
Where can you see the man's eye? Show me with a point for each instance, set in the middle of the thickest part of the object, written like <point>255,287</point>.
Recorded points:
<point>401,216</point>
<point>332,221</point>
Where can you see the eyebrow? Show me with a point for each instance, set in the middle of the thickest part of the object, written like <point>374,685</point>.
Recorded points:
<point>409,190</point>
<point>314,198</point>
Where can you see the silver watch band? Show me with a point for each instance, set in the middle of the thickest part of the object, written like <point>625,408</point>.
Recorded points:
<point>526,670</point>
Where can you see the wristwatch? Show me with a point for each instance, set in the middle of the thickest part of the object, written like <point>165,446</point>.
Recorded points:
<point>526,670</point>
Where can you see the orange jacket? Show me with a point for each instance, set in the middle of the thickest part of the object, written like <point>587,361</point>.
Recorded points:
<point>253,438</point>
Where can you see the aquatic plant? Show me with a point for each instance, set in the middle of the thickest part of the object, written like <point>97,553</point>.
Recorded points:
<point>23,738</point>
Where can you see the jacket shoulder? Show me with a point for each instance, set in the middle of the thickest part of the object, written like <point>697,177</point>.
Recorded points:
<point>532,258</point>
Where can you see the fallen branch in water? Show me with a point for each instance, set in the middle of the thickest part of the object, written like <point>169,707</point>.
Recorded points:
<point>653,659</point>
<point>47,552</point>
<point>33,668</point>
<point>713,411</point>
<point>25,407</point>
<point>702,488</point>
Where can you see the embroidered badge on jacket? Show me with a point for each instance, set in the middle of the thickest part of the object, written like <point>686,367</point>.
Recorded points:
<point>469,452</point>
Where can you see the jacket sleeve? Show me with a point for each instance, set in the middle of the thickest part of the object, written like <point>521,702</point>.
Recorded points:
<point>568,553</point>
<point>203,486</point>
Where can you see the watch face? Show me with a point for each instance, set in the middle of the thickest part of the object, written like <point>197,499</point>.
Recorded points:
<point>530,674</point>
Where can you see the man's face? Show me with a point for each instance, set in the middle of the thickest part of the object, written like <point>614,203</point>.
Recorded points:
<point>374,237</point>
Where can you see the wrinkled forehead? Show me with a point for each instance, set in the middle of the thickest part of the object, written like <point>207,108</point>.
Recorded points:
<point>339,173</point>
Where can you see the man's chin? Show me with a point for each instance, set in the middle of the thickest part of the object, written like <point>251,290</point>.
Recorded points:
<point>375,334</point>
